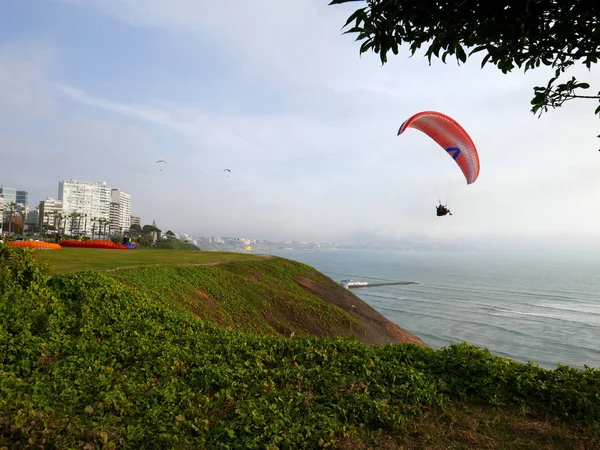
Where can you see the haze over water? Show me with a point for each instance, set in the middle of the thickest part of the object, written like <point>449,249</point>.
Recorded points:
<point>539,307</point>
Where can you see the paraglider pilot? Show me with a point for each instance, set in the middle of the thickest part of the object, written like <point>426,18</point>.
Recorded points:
<point>442,210</point>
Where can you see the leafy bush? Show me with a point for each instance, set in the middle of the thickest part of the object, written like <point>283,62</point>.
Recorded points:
<point>97,361</point>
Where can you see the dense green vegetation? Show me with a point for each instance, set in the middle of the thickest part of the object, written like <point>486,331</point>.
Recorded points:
<point>523,34</point>
<point>122,360</point>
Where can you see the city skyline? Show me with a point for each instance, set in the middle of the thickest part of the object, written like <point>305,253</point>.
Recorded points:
<point>93,200</point>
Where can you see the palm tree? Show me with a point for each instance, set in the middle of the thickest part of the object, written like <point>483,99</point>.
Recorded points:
<point>94,220</point>
<point>62,219</point>
<point>70,217</point>
<point>11,213</point>
<point>107,223</point>
<point>81,216</point>
<point>74,216</point>
<point>23,213</point>
<point>40,218</point>
<point>56,219</point>
<point>101,226</point>
<point>47,216</point>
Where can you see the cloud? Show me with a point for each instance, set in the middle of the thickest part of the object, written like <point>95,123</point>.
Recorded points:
<point>524,185</point>
<point>23,66</point>
<point>321,160</point>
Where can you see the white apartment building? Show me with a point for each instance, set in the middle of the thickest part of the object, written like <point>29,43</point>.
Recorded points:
<point>135,220</point>
<point>120,211</point>
<point>90,199</point>
<point>50,211</point>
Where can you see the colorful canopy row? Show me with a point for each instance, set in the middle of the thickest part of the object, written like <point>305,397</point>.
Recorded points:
<point>97,244</point>
<point>39,245</point>
<point>450,136</point>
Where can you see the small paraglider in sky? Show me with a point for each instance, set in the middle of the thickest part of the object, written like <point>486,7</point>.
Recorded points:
<point>161,161</point>
<point>452,137</point>
<point>227,170</point>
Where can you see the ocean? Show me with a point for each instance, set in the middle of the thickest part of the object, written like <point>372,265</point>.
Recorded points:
<point>539,307</point>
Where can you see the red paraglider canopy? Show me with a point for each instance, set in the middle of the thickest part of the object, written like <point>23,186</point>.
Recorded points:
<point>448,133</point>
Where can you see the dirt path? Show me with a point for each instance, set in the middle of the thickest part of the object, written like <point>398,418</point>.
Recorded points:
<point>141,266</point>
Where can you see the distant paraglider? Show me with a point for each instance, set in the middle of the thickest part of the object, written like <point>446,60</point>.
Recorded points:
<point>227,170</point>
<point>452,137</point>
<point>161,161</point>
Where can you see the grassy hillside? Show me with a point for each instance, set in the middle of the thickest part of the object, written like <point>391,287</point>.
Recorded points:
<point>70,259</point>
<point>271,297</point>
<point>175,244</point>
<point>124,360</point>
<point>260,293</point>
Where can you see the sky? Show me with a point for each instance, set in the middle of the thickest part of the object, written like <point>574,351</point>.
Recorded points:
<point>99,90</point>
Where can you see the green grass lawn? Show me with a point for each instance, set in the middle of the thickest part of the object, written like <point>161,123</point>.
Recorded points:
<point>69,260</point>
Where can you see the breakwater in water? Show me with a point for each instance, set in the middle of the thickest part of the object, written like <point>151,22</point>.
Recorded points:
<point>351,284</point>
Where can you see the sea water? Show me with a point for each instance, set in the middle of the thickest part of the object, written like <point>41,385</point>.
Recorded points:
<point>539,307</point>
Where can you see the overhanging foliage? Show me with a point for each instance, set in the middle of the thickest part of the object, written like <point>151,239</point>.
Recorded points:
<point>518,33</point>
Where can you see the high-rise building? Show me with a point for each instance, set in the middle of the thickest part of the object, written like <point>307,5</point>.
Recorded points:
<point>134,220</point>
<point>22,198</point>
<point>90,200</point>
<point>14,207</point>
<point>9,194</point>
<point>13,210</point>
<point>50,212</point>
<point>120,211</point>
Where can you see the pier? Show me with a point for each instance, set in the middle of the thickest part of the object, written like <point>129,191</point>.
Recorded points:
<point>351,284</point>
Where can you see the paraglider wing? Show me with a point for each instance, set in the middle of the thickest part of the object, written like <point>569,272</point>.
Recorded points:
<point>226,170</point>
<point>448,133</point>
<point>161,160</point>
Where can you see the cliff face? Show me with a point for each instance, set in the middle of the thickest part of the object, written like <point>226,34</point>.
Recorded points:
<point>274,296</point>
<point>374,327</point>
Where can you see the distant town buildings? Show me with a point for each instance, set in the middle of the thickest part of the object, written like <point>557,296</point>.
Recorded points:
<point>14,209</point>
<point>9,194</point>
<point>90,199</point>
<point>120,211</point>
<point>134,220</point>
<point>82,207</point>
<point>22,198</point>
<point>50,214</point>
<point>97,203</point>
<point>33,219</point>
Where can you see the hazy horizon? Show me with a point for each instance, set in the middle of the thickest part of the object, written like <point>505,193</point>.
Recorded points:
<point>100,90</point>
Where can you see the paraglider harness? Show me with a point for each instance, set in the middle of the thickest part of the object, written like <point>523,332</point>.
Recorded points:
<point>442,210</point>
